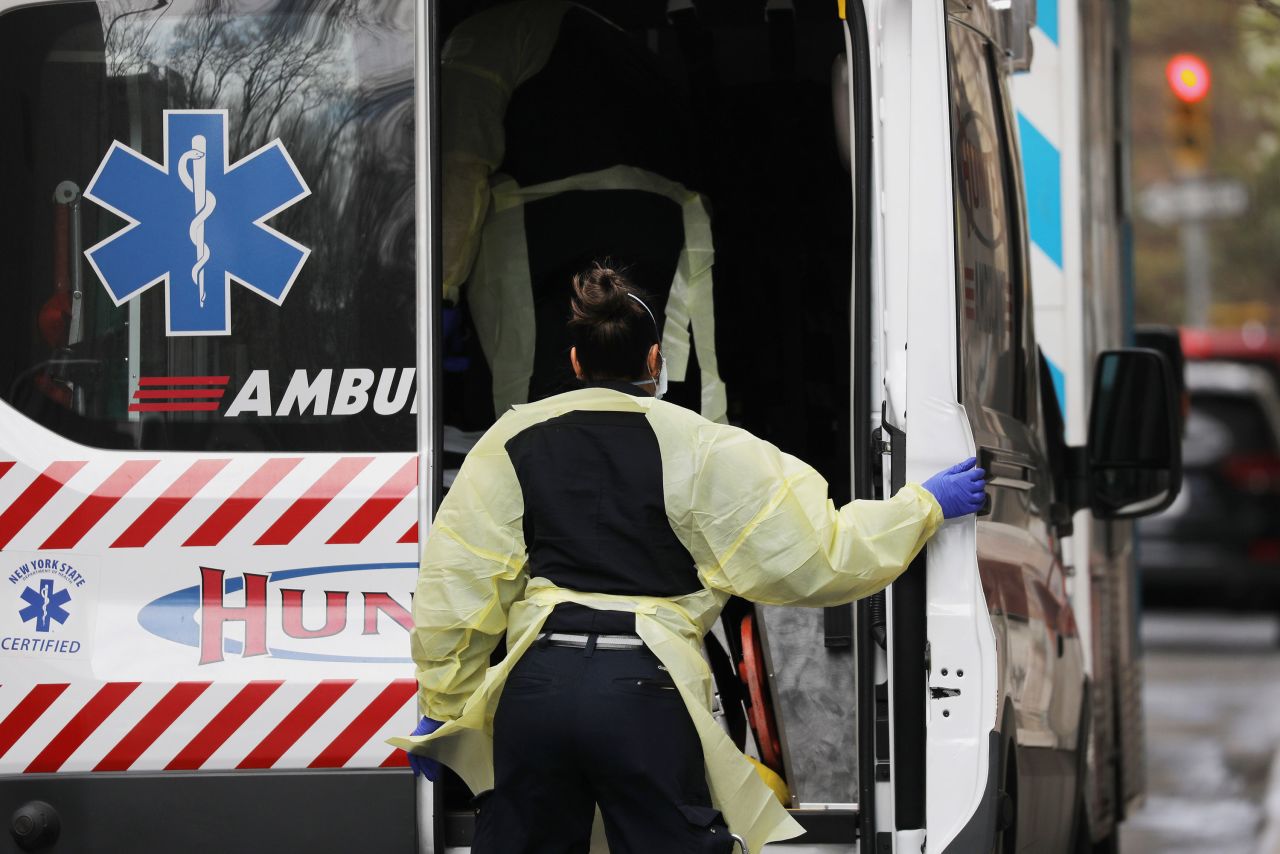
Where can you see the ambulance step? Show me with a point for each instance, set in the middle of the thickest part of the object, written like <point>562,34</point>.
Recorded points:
<point>822,827</point>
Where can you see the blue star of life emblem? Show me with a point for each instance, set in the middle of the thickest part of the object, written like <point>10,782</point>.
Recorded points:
<point>196,223</point>
<point>45,605</point>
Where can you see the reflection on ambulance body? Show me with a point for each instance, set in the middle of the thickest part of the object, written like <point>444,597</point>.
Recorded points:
<point>563,142</point>
<point>339,99</point>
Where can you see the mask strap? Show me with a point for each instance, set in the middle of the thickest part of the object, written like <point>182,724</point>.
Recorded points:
<point>654,380</point>
<point>648,312</point>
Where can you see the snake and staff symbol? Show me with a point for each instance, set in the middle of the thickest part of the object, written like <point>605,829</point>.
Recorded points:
<point>191,169</point>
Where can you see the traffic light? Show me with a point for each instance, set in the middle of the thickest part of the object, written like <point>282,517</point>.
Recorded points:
<point>1189,130</point>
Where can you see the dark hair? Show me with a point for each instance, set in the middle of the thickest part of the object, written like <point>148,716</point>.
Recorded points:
<point>612,331</point>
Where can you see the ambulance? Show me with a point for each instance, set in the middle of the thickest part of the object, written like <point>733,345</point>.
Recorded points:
<point>1072,111</point>
<point>234,386</point>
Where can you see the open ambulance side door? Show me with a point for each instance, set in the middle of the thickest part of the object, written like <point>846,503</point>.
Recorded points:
<point>934,789</point>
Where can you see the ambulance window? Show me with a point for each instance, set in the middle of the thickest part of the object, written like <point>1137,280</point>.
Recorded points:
<point>265,298</point>
<point>987,234</point>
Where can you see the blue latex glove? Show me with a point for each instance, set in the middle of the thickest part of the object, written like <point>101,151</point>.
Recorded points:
<point>960,490</point>
<point>425,766</point>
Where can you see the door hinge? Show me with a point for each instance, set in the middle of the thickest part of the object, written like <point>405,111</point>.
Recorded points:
<point>880,444</point>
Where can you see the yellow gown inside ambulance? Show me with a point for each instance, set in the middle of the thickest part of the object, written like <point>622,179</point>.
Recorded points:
<point>490,158</point>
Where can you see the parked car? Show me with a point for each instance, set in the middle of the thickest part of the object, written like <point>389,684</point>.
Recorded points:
<point>1219,543</point>
<point>1254,345</point>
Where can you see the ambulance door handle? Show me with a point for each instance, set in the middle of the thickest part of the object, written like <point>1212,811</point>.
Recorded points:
<point>1004,470</point>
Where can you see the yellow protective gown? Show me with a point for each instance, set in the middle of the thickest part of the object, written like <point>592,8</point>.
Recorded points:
<point>486,58</point>
<point>758,523</point>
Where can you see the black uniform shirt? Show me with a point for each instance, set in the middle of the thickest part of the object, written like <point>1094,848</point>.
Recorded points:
<point>594,515</point>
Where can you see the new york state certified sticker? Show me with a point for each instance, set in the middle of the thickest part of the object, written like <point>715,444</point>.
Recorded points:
<point>47,604</point>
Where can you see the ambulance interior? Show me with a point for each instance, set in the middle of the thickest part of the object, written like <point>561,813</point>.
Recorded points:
<point>751,96</point>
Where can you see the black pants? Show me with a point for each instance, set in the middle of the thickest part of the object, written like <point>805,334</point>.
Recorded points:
<point>578,728</point>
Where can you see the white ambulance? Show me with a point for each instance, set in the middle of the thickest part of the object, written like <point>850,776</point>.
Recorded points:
<point>230,394</point>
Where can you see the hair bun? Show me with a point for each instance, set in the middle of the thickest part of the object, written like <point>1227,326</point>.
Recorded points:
<point>602,293</point>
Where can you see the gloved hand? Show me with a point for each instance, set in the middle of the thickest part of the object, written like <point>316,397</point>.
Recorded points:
<point>424,765</point>
<point>960,490</point>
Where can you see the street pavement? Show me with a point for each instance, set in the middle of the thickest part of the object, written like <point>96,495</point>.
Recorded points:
<point>1213,729</point>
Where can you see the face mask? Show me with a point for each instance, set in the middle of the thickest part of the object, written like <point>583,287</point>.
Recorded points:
<point>660,384</point>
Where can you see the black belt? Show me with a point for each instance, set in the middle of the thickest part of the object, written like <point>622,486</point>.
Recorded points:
<point>595,641</point>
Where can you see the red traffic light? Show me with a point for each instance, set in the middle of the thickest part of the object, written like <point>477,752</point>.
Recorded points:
<point>1188,77</point>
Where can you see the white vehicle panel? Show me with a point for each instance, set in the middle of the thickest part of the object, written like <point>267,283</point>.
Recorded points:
<point>137,668</point>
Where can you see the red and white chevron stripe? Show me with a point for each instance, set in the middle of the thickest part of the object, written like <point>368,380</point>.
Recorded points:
<point>183,502</point>
<point>188,726</point>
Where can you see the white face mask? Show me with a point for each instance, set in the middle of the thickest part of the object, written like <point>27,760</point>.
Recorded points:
<point>659,384</point>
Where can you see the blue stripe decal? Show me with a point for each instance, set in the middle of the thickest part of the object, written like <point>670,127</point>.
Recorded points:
<point>1047,18</point>
<point>1059,385</point>
<point>1042,171</point>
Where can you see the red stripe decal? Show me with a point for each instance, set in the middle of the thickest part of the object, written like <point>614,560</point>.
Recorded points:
<point>27,712</point>
<point>410,536</point>
<point>173,393</point>
<point>223,725</point>
<point>5,465</point>
<point>382,502</point>
<point>151,725</point>
<point>80,727</point>
<point>94,507</point>
<point>183,380</point>
<point>165,507</point>
<point>297,722</point>
<point>315,499</point>
<point>391,700</point>
<point>173,407</point>
<point>237,506</point>
<point>397,759</point>
<point>35,496</point>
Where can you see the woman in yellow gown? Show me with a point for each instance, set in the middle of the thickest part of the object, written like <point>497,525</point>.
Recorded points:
<point>602,531</point>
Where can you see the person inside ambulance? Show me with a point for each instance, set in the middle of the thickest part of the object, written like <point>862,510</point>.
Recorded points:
<point>563,141</point>
<point>602,530</point>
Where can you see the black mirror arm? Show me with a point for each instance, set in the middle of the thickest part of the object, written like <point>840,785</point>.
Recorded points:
<point>1062,518</point>
<point>1077,479</point>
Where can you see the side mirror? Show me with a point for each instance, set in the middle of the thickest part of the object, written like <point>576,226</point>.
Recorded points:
<point>1134,456</point>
